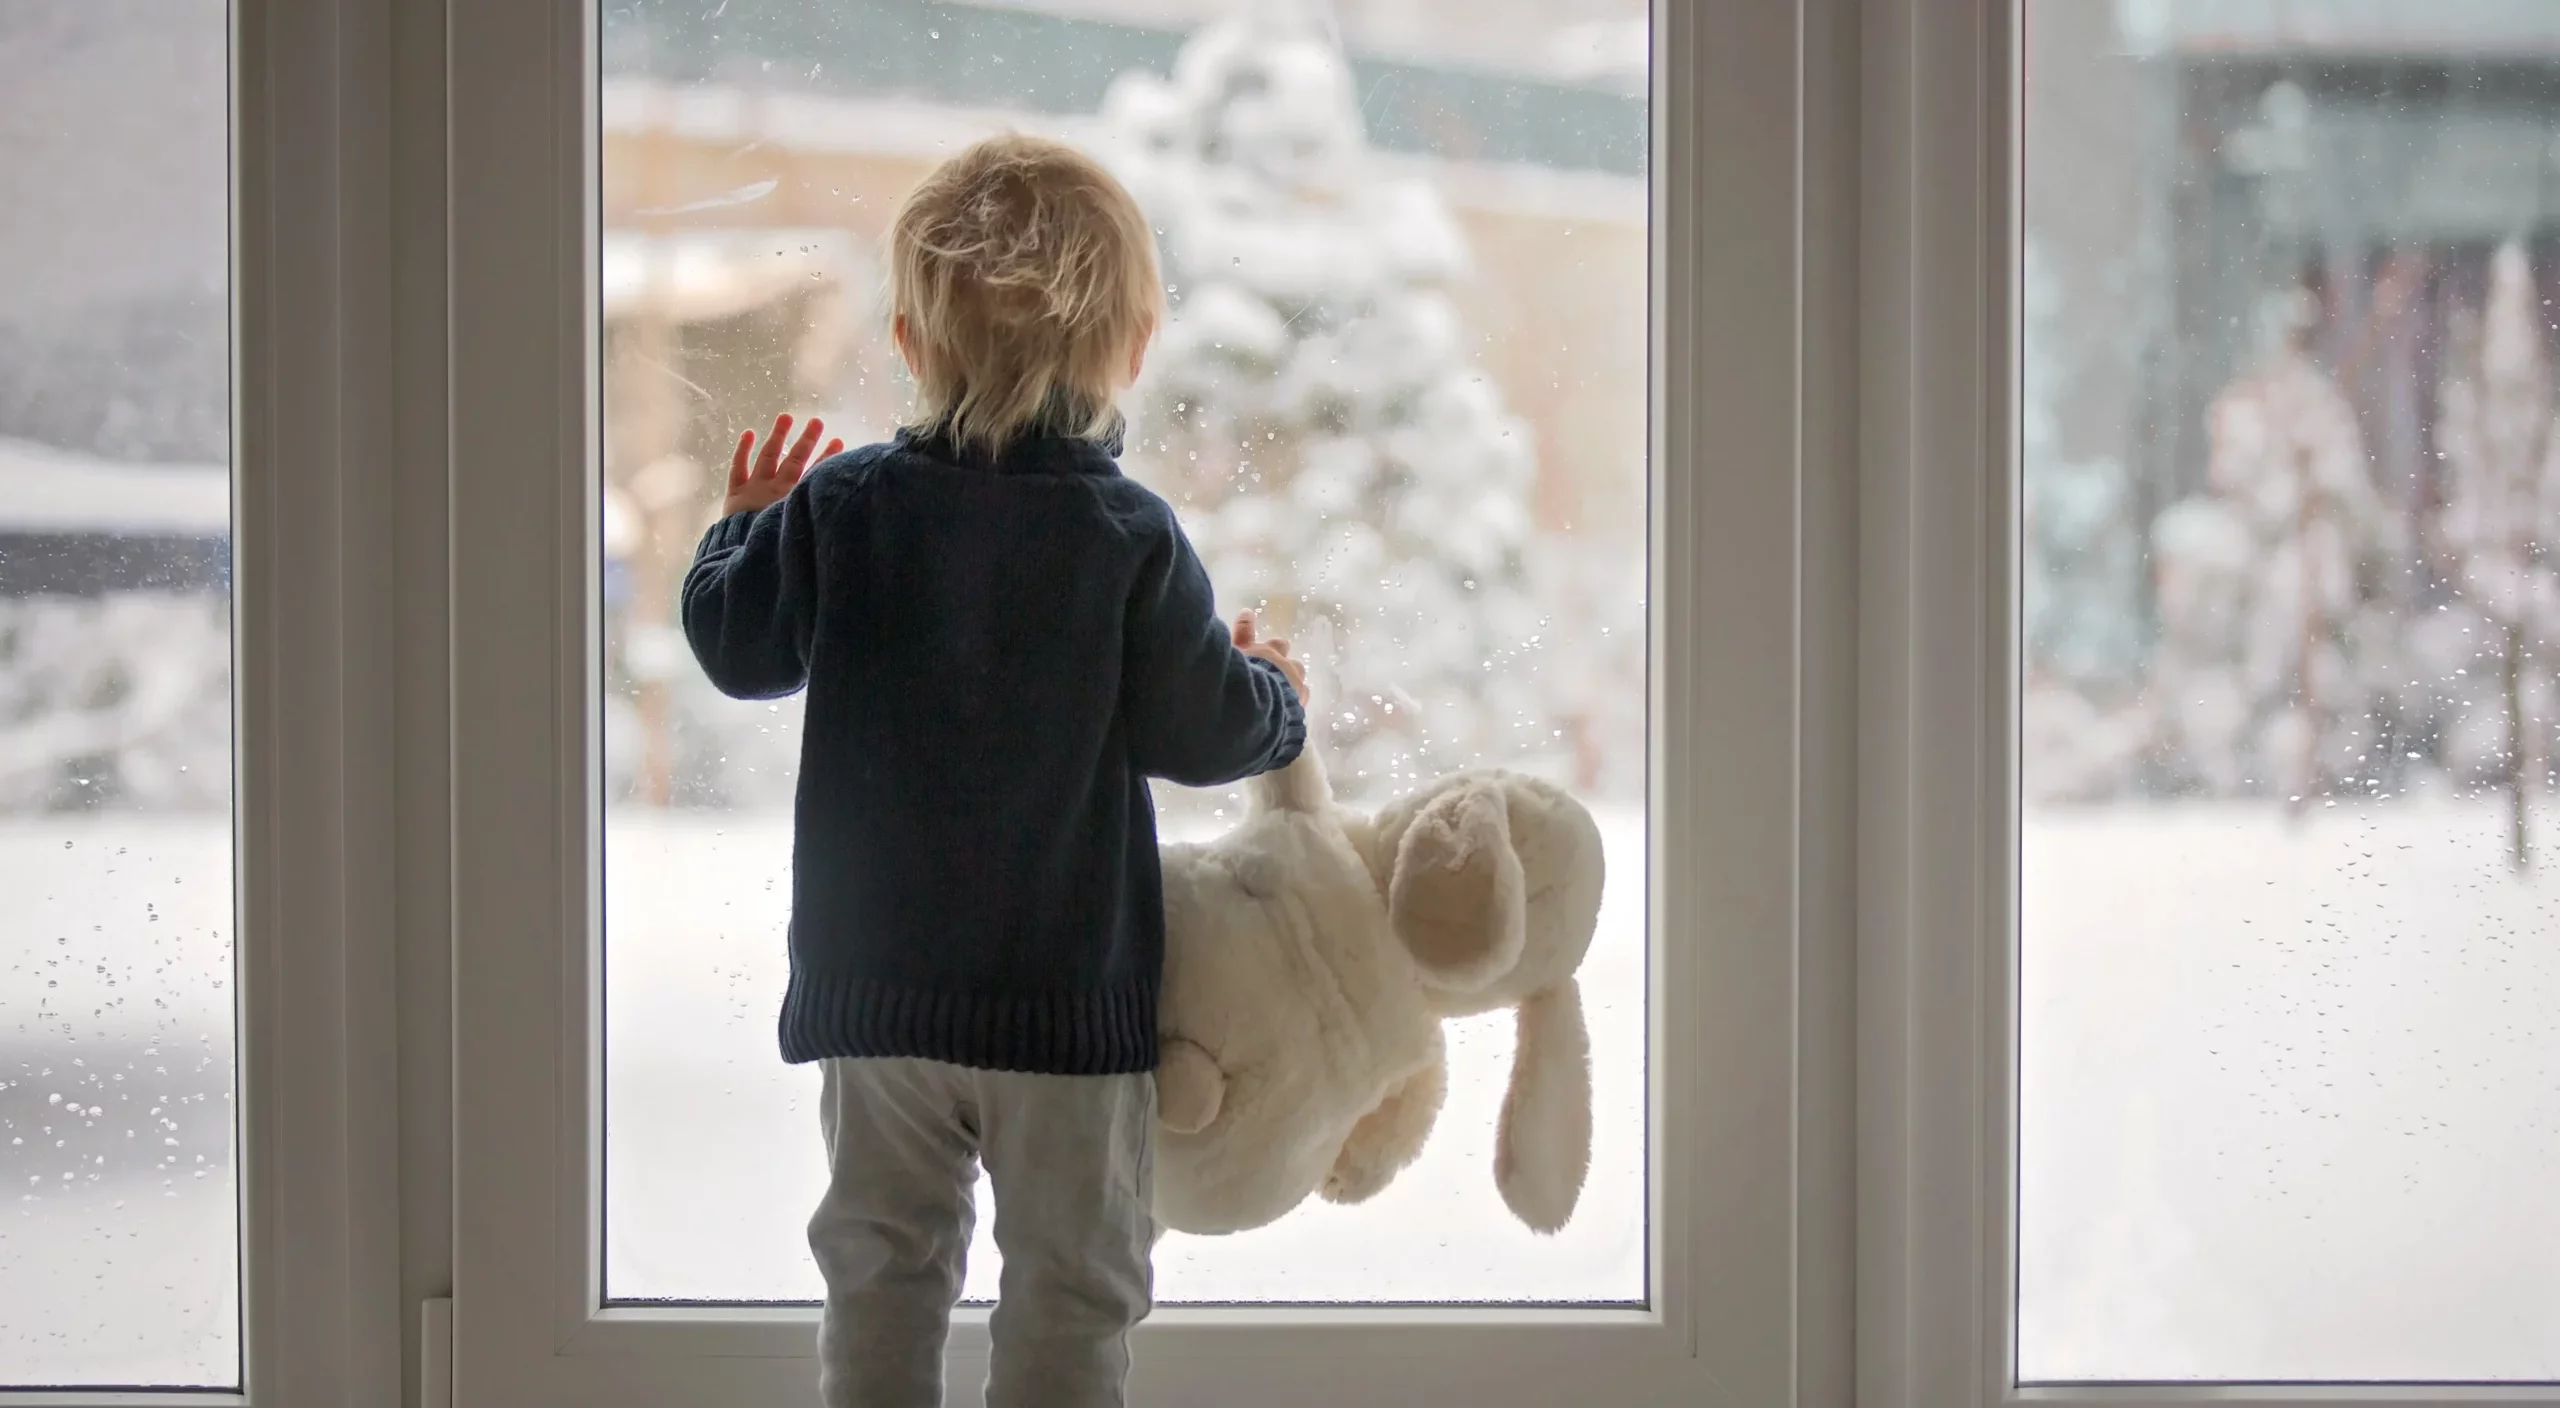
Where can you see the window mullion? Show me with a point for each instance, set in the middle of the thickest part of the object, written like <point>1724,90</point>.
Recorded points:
<point>313,383</point>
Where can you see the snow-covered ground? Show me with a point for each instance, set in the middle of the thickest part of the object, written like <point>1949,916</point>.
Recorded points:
<point>127,1286</point>
<point>2291,1097</point>
<point>2291,1104</point>
<point>118,1257</point>
<point>712,1162</point>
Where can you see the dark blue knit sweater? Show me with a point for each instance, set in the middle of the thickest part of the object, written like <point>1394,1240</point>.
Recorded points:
<point>998,655</point>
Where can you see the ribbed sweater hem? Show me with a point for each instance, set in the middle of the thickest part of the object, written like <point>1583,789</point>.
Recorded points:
<point>1103,1033</point>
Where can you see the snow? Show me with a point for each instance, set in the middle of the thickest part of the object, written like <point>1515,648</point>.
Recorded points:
<point>115,701</point>
<point>126,1285</point>
<point>731,116</point>
<point>2291,1096</point>
<point>712,1163</point>
<point>2291,1099</point>
<point>118,1260</point>
<point>48,490</point>
<point>1618,52</point>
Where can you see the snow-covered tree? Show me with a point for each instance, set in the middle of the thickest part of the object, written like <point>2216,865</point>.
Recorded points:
<point>2262,679</point>
<point>1314,407</point>
<point>2498,537</point>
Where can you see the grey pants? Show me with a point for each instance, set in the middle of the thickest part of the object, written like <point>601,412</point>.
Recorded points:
<point>1071,1158</point>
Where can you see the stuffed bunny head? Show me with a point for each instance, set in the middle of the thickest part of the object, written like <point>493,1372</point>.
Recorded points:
<point>1493,884</point>
<point>1312,955</point>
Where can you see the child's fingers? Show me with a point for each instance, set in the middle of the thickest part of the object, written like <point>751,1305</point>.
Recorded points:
<point>770,460</point>
<point>803,448</point>
<point>834,448</point>
<point>803,451</point>
<point>738,459</point>
<point>1244,630</point>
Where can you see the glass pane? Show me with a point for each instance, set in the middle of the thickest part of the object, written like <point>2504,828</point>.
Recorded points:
<point>2290,1015</point>
<point>119,1255</point>
<point>1487,170</point>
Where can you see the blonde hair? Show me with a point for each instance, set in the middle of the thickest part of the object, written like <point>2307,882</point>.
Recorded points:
<point>1026,276</point>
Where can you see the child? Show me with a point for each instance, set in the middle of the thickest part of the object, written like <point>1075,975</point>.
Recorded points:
<point>1002,640</point>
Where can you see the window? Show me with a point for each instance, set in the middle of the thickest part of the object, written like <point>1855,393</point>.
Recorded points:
<point>120,1240</point>
<point>2286,1045</point>
<point>1957,1031</point>
<point>2184,1060</point>
<point>199,1073</point>
<point>1492,360</point>
<point>714,268</point>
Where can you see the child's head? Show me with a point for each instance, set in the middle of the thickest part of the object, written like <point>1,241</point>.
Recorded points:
<point>1023,280</point>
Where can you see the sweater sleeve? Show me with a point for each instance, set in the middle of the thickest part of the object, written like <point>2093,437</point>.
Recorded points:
<point>750,600</point>
<point>1201,712</point>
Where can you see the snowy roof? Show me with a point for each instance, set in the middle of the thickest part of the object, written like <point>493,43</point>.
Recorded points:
<point>929,130</point>
<point>1034,60</point>
<point>47,490</point>
<point>697,276</point>
<point>2505,29</point>
<point>1592,40</point>
<point>888,124</point>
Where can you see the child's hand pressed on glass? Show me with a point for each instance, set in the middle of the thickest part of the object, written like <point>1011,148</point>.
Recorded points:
<point>1248,636</point>
<point>768,480</point>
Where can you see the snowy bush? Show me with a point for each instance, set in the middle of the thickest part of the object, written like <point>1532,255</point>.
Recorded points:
<point>140,379</point>
<point>118,701</point>
<point>1314,408</point>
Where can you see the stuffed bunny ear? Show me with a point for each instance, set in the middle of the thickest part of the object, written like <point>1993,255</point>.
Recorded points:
<point>1542,1152</point>
<point>1458,898</point>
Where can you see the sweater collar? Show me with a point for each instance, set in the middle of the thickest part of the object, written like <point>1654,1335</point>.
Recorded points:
<point>1039,449</point>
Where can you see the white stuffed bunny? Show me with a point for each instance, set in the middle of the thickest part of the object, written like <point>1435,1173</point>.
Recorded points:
<point>1311,957</point>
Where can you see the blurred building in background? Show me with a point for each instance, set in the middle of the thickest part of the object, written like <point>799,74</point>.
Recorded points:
<point>2260,238</point>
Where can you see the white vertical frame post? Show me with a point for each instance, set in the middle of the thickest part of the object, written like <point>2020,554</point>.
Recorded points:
<point>1934,868</point>
<point>312,381</point>
<point>1750,1292</point>
<point>1937,737</point>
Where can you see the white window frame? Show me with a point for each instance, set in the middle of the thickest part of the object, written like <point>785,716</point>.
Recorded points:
<point>1937,825</point>
<point>314,536</point>
<point>1749,866</point>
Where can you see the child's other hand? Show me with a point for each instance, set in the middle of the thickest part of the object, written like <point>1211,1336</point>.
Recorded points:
<point>769,478</point>
<point>1248,638</point>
